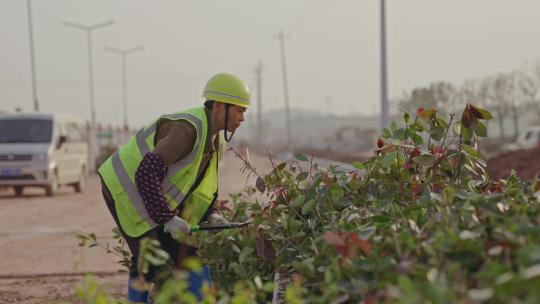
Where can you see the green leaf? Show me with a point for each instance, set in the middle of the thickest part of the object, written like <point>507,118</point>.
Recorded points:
<point>480,129</point>
<point>386,133</point>
<point>297,202</point>
<point>235,248</point>
<point>470,150</point>
<point>358,165</point>
<point>309,206</point>
<point>436,133</point>
<point>393,126</point>
<point>417,139</point>
<point>283,220</point>
<point>448,194</point>
<point>442,123</point>
<point>380,219</point>
<point>486,115</point>
<point>425,159</point>
<point>406,117</point>
<point>281,207</point>
<point>389,159</point>
<point>465,132</point>
<point>303,268</point>
<point>399,134</point>
<point>301,157</point>
<point>268,287</point>
<point>406,284</point>
<point>423,123</point>
<point>302,176</point>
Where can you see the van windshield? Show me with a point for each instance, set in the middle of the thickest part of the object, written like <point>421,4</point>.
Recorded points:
<point>25,130</point>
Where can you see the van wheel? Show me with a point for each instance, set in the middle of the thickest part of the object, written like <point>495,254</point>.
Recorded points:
<point>52,188</point>
<point>79,186</point>
<point>18,190</point>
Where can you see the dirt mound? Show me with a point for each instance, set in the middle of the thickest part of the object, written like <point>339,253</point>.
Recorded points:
<point>525,162</point>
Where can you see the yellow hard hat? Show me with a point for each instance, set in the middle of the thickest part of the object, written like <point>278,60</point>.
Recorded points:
<point>227,88</point>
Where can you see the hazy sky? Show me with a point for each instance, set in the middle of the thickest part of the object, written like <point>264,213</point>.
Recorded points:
<point>333,50</point>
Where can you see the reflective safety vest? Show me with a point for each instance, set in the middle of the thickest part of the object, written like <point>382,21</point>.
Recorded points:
<point>118,173</point>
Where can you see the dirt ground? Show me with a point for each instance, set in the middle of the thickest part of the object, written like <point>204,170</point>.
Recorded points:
<point>526,163</point>
<point>40,261</point>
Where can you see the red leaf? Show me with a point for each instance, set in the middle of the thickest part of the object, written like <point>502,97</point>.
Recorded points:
<point>359,243</point>
<point>419,111</point>
<point>333,238</point>
<point>466,118</point>
<point>380,143</point>
<point>437,149</point>
<point>474,111</point>
<point>416,189</point>
<point>427,113</point>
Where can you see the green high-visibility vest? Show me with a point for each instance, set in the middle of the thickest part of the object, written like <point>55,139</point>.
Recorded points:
<point>118,173</point>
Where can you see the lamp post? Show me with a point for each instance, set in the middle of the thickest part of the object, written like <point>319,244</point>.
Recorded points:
<point>123,53</point>
<point>384,83</point>
<point>32,57</point>
<point>89,30</point>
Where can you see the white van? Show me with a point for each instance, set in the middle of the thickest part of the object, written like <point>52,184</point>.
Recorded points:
<point>528,139</point>
<point>43,150</point>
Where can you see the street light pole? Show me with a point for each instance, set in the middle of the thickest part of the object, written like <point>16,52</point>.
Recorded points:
<point>384,83</point>
<point>281,37</point>
<point>258,71</point>
<point>32,59</point>
<point>89,30</point>
<point>124,54</point>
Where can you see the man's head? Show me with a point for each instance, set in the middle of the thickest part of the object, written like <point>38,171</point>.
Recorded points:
<point>228,97</point>
<point>219,110</point>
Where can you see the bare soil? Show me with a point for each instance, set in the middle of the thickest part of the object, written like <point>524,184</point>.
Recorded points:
<point>40,261</point>
<point>526,163</point>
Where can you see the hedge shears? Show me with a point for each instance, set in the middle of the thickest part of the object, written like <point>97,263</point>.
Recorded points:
<point>203,227</point>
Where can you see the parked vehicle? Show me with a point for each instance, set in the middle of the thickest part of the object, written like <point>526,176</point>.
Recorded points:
<point>529,139</point>
<point>43,150</point>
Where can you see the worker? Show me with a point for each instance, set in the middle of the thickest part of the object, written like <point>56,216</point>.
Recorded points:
<point>165,178</point>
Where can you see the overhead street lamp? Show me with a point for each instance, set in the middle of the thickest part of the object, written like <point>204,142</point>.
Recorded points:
<point>89,30</point>
<point>124,53</point>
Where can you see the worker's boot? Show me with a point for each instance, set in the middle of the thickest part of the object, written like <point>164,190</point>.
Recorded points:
<point>134,295</point>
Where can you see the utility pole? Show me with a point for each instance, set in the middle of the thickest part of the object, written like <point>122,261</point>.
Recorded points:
<point>89,30</point>
<point>384,85</point>
<point>32,59</point>
<point>329,106</point>
<point>123,54</point>
<point>281,37</point>
<point>258,71</point>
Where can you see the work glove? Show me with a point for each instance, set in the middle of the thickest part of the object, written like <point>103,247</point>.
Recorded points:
<point>176,226</point>
<point>216,219</point>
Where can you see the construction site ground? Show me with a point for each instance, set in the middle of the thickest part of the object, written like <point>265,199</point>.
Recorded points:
<point>40,261</point>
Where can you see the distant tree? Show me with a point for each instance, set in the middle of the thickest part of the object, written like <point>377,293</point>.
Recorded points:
<point>469,92</point>
<point>530,88</point>
<point>528,91</point>
<point>499,90</point>
<point>438,95</point>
